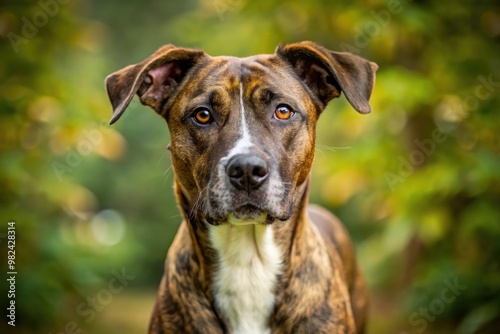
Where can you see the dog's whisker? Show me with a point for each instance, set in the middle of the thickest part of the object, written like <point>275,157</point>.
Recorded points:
<point>166,174</point>
<point>161,158</point>
<point>320,151</point>
<point>333,148</point>
<point>167,170</point>
<point>197,204</point>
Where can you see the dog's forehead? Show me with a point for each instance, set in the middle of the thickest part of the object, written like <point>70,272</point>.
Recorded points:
<point>247,61</point>
<point>263,67</point>
<point>233,73</point>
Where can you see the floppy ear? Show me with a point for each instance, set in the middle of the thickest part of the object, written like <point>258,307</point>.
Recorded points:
<point>329,73</point>
<point>154,79</point>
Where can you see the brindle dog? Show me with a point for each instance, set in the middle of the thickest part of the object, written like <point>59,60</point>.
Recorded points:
<point>251,256</point>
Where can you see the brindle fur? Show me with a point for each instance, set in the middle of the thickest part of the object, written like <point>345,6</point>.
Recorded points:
<point>320,289</point>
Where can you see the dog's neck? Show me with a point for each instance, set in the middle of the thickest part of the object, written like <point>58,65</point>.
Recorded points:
<point>240,267</point>
<point>249,263</point>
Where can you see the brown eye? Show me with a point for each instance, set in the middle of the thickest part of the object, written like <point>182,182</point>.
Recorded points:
<point>203,116</point>
<point>283,113</point>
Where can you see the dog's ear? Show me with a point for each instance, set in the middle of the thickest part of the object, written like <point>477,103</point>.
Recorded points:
<point>154,79</point>
<point>329,73</point>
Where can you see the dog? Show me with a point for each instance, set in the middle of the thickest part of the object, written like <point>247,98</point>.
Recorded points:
<point>251,255</point>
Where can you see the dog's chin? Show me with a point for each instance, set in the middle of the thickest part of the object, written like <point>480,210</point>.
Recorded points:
<point>247,220</point>
<point>247,215</point>
<point>244,215</point>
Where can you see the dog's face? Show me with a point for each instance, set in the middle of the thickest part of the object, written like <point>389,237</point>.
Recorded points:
<point>242,129</point>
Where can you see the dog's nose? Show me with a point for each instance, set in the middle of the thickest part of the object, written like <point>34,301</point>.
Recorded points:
<point>247,172</point>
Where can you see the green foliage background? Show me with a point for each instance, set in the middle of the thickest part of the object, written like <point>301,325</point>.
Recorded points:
<point>420,217</point>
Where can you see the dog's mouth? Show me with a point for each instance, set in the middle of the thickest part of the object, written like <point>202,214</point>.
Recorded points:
<point>247,211</point>
<point>225,205</point>
<point>247,214</point>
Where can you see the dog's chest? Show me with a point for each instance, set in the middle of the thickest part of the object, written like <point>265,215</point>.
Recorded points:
<point>244,282</point>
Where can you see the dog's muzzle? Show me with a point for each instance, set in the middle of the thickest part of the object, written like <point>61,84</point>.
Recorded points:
<point>246,188</point>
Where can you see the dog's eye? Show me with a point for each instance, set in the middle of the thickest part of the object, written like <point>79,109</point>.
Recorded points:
<point>202,116</point>
<point>283,112</point>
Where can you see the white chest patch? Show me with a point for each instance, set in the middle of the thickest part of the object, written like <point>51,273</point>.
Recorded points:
<point>249,262</point>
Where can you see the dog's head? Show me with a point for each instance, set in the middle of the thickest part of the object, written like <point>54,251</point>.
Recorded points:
<point>242,129</point>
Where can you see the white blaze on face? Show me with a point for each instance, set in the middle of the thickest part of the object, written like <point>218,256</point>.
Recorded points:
<point>244,143</point>
<point>222,192</point>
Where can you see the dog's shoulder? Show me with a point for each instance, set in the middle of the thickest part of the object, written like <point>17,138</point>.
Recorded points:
<point>182,304</point>
<point>338,241</point>
<point>335,235</point>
